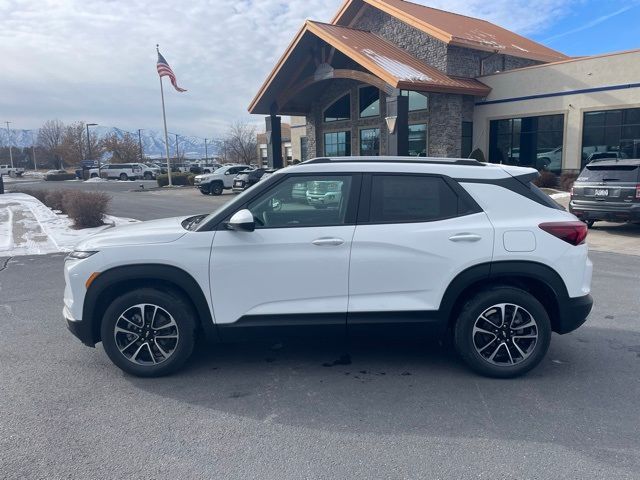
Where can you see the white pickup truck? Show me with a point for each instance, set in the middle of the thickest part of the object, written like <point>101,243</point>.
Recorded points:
<point>11,171</point>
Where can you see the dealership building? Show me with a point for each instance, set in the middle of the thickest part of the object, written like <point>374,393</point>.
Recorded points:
<point>390,77</point>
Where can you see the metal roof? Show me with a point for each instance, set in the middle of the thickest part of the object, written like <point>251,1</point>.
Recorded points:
<point>454,29</point>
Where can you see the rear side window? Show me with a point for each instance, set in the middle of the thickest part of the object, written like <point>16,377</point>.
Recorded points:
<point>610,173</point>
<point>411,198</point>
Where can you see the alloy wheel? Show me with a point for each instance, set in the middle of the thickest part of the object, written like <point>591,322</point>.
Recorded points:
<point>146,334</point>
<point>505,334</point>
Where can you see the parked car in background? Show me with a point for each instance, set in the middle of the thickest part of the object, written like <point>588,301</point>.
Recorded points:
<point>247,179</point>
<point>11,171</point>
<point>126,171</point>
<point>455,249</point>
<point>605,155</point>
<point>550,161</point>
<point>607,189</point>
<point>204,168</point>
<point>322,194</point>
<point>222,179</point>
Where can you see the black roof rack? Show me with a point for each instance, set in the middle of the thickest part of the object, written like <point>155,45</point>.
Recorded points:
<point>426,160</point>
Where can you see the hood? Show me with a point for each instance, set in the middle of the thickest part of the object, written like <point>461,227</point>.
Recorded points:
<point>144,233</point>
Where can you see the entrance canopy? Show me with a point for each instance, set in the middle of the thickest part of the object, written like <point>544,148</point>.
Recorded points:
<point>321,52</point>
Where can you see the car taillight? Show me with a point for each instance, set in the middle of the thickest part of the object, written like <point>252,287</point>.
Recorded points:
<point>574,233</point>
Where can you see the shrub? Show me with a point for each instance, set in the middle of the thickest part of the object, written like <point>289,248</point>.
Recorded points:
<point>86,209</point>
<point>176,179</point>
<point>54,200</point>
<point>39,194</point>
<point>567,179</point>
<point>546,180</point>
<point>478,155</point>
<point>56,177</point>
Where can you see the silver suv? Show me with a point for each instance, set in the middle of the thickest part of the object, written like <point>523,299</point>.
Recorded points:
<point>222,179</point>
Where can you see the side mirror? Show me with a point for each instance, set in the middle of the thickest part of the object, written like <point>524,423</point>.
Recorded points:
<point>242,221</point>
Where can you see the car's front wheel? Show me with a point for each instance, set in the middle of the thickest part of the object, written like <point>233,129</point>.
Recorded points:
<point>216,188</point>
<point>204,190</point>
<point>149,332</point>
<point>502,332</point>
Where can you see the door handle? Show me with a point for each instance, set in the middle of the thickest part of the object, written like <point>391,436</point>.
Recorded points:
<point>465,237</point>
<point>328,242</point>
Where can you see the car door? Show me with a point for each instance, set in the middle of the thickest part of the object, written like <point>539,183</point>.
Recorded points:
<point>415,233</point>
<point>293,268</point>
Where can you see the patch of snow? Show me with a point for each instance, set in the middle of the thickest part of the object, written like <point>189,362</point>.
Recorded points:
<point>96,180</point>
<point>39,229</point>
<point>560,195</point>
<point>396,68</point>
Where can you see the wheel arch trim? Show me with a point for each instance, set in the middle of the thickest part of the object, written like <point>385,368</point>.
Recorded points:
<point>165,274</point>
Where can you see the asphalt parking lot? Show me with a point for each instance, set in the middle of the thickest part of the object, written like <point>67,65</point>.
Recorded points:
<point>281,411</point>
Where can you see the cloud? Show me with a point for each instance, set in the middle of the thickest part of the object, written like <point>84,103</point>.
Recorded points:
<point>95,60</point>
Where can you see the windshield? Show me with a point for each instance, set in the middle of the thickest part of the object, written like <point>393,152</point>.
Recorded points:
<point>609,173</point>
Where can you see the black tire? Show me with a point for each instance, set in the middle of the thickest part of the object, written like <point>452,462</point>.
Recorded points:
<point>216,188</point>
<point>184,318</point>
<point>148,176</point>
<point>465,339</point>
<point>123,177</point>
<point>204,190</point>
<point>94,175</point>
<point>589,223</point>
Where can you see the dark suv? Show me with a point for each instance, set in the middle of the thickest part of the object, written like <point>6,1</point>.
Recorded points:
<point>607,189</point>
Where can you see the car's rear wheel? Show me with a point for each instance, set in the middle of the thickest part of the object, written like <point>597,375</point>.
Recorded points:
<point>590,223</point>
<point>502,332</point>
<point>149,332</point>
<point>123,177</point>
<point>217,188</point>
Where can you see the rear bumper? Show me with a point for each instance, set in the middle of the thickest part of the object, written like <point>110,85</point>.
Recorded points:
<point>573,313</point>
<point>602,211</point>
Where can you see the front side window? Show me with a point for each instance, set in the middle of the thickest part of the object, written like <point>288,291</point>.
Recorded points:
<point>337,144</point>
<point>369,102</point>
<point>303,201</point>
<point>418,140</point>
<point>339,110</point>
<point>370,142</point>
<point>410,198</point>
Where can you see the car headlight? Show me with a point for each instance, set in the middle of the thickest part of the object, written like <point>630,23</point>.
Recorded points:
<point>80,254</point>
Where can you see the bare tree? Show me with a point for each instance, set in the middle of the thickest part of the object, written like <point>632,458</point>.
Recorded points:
<point>50,138</point>
<point>240,143</point>
<point>124,149</point>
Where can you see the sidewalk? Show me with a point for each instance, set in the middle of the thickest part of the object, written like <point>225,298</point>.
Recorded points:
<point>28,227</point>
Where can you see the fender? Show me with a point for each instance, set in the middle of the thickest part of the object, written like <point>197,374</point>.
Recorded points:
<point>111,278</point>
<point>491,271</point>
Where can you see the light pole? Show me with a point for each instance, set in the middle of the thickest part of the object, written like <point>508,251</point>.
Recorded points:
<point>177,152</point>
<point>140,144</point>
<point>9,141</point>
<point>89,146</point>
<point>206,152</point>
<point>33,147</point>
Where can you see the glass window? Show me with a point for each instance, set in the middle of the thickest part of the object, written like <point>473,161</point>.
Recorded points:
<point>369,99</point>
<point>339,110</point>
<point>467,139</point>
<point>337,144</point>
<point>411,198</point>
<point>529,141</point>
<point>418,140</point>
<point>417,100</point>
<point>611,134</point>
<point>319,200</point>
<point>370,142</point>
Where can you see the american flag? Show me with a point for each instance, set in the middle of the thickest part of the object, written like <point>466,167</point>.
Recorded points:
<point>164,70</point>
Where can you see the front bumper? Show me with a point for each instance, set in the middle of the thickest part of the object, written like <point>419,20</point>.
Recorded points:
<point>573,313</point>
<point>81,330</point>
<point>601,211</point>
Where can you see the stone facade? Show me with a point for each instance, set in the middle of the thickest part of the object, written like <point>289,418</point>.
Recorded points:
<point>446,112</point>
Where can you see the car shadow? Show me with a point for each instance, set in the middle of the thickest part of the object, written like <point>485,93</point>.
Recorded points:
<point>578,397</point>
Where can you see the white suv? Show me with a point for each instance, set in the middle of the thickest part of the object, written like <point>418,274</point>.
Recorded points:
<point>221,179</point>
<point>415,246</point>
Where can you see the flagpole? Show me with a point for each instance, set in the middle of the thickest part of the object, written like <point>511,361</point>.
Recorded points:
<point>166,135</point>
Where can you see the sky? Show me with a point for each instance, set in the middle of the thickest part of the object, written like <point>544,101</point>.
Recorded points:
<point>95,60</point>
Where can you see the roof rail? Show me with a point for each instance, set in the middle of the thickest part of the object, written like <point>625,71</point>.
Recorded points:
<point>436,160</point>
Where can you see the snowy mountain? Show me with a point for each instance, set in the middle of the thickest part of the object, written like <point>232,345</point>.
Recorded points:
<point>152,141</point>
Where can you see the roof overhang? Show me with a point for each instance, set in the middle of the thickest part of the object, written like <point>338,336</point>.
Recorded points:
<point>388,63</point>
